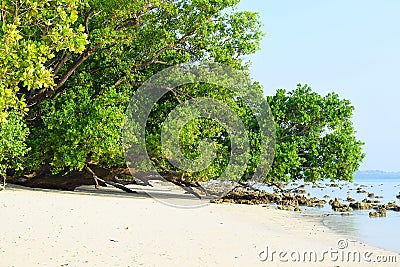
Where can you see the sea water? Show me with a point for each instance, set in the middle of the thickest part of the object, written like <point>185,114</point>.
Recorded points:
<point>380,232</point>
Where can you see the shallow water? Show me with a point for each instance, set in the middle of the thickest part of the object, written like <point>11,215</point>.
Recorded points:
<point>380,232</point>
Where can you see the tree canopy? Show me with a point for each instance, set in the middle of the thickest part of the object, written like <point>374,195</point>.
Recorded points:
<point>315,136</point>
<point>69,68</point>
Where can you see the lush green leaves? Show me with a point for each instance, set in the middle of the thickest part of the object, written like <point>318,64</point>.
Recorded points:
<point>13,134</point>
<point>76,64</point>
<point>129,41</point>
<point>315,136</point>
<point>31,33</point>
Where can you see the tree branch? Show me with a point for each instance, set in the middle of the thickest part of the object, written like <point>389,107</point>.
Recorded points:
<point>131,22</point>
<point>154,60</point>
<point>44,93</point>
<point>116,185</point>
<point>87,18</point>
<point>61,63</point>
<point>185,185</point>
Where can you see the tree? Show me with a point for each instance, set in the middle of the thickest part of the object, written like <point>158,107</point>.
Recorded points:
<point>76,118</point>
<point>315,136</point>
<point>72,67</point>
<point>32,33</point>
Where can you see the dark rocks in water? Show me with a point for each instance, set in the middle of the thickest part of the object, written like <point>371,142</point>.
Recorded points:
<point>343,209</point>
<point>289,200</point>
<point>247,196</point>
<point>361,206</point>
<point>319,205</point>
<point>392,206</point>
<point>340,207</point>
<point>345,214</point>
<point>316,203</point>
<point>398,196</point>
<point>378,196</point>
<point>395,208</point>
<point>371,195</point>
<point>283,200</point>
<point>379,207</point>
<point>378,213</point>
<point>299,191</point>
<point>371,201</point>
<point>280,207</point>
<point>361,191</point>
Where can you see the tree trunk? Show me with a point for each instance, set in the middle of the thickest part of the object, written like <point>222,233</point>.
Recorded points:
<point>73,180</point>
<point>4,179</point>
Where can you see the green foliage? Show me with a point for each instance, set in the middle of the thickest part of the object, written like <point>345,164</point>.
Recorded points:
<point>78,128</point>
<point>192,135</point>
<point>129,41</point>
<point>315,136</point>
<point>31,33</point>
<point>76,64</point>
<point>13,134</point>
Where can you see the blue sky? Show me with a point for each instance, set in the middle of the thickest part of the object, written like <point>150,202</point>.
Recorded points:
<point>350,47</point>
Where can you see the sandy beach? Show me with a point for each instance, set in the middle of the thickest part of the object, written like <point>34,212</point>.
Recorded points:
<point>109,228</point>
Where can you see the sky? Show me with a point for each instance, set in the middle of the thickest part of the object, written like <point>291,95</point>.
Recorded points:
<point>349,47</point>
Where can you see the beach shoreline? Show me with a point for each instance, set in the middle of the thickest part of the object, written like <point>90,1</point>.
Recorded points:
<point>109,228</point>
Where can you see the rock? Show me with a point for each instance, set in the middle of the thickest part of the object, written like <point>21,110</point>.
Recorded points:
<point>350,199</point>
<point>327,196</point>
<point>281,207</point>
<point>371,195</point>
<point>398,196</point>
<point>340,207</point>
<point>319,205</point>
<point>373,201</point>
<point>217,201</point>
<point>345,214</point>
<point>396,208</point>
<point>283,199</point>
<point>379,207</point>
<point>361,191</point>
<point>378,196</point>
<point>297,209</point>
<point>299,191</point>
<point>378,213</point>
<point>361,206</point>
<point>344,209</point>
<point>392,206</point>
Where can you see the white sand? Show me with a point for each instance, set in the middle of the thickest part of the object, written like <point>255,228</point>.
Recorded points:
<point>88,228</point>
